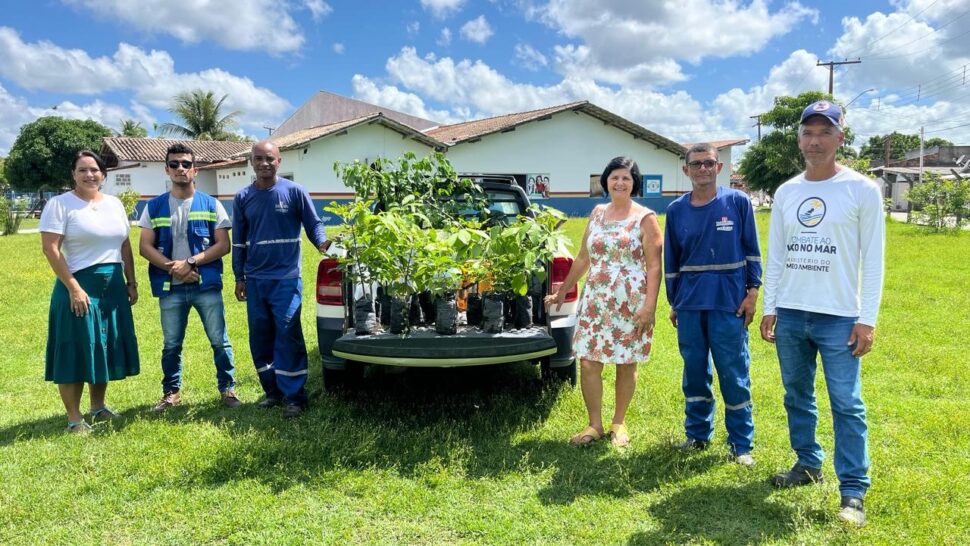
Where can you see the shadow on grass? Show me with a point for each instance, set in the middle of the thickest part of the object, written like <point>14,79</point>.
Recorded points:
<point>719,514</point>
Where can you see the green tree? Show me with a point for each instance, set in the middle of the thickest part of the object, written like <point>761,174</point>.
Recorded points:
<point>42,154</point>
<point>201,117</point>
<point>776,158</point>
<point>899,144</point>
<point>3,176</point>
<point>940,204</point>
<point>132,128</point>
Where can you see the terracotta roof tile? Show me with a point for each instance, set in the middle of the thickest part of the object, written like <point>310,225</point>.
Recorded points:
<point>153,149</point>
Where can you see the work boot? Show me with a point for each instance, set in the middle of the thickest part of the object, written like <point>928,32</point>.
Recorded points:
<point>229,399</point>
<point>798,475</point>
<point>169,399</point>
<point>691,444</point>
<point>269,402</point>
<point>852,511</point>
<point>292,410</point>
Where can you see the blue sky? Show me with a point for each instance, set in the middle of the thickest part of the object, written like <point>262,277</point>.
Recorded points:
<point>690,70</point>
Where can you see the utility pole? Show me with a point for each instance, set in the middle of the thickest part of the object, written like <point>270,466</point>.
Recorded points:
<point>921,155</point>
<point>832,65</point>
<point>887,147</point>
<point>758,124</point>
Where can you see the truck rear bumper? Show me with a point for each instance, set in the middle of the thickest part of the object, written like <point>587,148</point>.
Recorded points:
<point>424,347</point>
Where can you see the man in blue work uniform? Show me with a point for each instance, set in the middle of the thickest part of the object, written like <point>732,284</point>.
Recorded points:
<point>266,220</point>
<point>713,270</point>
<point>184,235</point>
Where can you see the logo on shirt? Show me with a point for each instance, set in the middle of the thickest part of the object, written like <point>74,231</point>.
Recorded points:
<point>811,212</point>
<point>282,207</point>
<point>724,224</point>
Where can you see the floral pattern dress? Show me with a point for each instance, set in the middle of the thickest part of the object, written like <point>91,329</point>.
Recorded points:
<point>615,288</point>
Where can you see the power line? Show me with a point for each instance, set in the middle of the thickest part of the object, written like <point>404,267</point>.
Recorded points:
<point>934,46</point>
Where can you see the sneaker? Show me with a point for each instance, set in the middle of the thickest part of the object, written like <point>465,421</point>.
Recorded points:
<point>229,399</point>
<point>852,511</point>
<point>691,444</point>
<point>168,400</point>
<point>292,410</point>
<point>103,414</point>
<point>798,475</point>
<point>745,459</point>
<point>269,402</point>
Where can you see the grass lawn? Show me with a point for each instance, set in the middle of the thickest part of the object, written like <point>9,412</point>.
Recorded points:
<point>477,456</point>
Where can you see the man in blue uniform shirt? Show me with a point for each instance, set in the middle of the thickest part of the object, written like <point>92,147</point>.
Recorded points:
<point>712,271</point>
<point>266,220</point>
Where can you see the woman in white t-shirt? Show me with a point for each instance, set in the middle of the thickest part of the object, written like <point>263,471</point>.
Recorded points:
<point>91,334</point>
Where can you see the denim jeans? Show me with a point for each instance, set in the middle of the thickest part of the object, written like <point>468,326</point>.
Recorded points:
<point>175,315</point>
<point>721,336</point>
<point>799,337</point>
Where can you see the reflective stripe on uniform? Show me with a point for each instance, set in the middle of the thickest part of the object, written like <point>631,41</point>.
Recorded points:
<point>278,241</point>
<point>735,407</point>
<point>712,267</point>
<point>699,399</point>
<point>203,215</point>
<point>166,286</point>
<point>161,221</point>
<point>292,374</point>
<point>753,258</point>
<point>264,368</point>
<point>672,275</point>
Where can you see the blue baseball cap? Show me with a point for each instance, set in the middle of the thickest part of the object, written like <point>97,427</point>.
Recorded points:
<point>828,109</point>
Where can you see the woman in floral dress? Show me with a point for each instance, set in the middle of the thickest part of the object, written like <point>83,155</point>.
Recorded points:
<point>621,250</point>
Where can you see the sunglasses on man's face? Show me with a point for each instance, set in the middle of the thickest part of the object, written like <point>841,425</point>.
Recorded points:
<point>175,164</point>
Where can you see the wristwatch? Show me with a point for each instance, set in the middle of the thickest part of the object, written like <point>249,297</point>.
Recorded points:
<point>191,261</point>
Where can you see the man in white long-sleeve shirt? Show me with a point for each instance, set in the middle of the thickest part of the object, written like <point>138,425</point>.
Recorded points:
<point>822,287</point>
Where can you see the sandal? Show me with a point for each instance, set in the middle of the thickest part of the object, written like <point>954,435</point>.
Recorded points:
<point>586,437</point>
<point>79,427</point>
<point>103,414</point>
<point>619,435</point>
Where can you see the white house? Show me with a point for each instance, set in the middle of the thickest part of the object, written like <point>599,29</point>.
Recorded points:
<point>557,154</point>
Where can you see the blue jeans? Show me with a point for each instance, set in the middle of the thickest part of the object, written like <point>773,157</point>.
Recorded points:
<point>175,309</point>
<point>703,335</point>
<point>799,337</point>
<point>276,337</point>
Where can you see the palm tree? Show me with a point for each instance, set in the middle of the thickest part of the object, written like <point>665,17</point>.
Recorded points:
<point>132,128</point>
<point>201,117</point>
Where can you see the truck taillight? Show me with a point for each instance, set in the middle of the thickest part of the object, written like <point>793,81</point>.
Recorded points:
<point>329,283</point>
<point>560,268</point>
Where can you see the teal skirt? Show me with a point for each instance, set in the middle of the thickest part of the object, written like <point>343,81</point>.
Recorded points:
<point>100,346</point>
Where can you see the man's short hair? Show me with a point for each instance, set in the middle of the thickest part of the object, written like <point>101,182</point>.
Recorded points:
<point>179,148</point>
<point>699,148</point>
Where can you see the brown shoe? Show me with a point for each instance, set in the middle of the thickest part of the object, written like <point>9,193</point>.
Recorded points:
<point>229,399</point>
<point>168,400</point>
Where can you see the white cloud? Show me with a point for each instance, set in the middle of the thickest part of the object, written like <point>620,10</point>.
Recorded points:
<point>529,57</point>
<point>318,8</point>
<point>248,25</point>
<point>338,48</point>
<point>442,8</point>
<point>395,99</point>
<point>477,30</point>
<point>149,76</point>
<point>642,42</point>
<point>445,37</point>
<point>413,28</point>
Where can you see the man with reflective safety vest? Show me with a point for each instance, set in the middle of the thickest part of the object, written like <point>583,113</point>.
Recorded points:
<point>184,235</point>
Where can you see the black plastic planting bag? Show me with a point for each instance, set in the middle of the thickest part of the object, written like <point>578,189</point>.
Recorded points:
<point>399,315</point>
<point>473,313</point>
<point>522,317</point>
<point>446,315</point>
<point>493,314</point>
<point>365,318</point>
